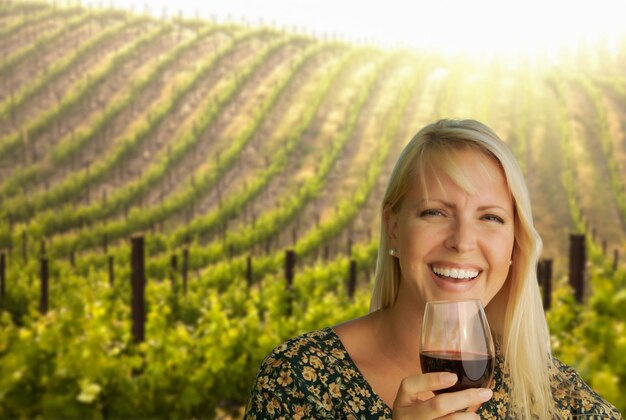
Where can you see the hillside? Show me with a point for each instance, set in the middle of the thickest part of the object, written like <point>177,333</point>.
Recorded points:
<point>232,141</point>
<point>140,125</point>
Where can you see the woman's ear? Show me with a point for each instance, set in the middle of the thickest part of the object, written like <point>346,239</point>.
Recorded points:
<point>391,226</point>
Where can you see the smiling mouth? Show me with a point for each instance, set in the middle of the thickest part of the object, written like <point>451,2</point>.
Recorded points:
<point>455,273</point>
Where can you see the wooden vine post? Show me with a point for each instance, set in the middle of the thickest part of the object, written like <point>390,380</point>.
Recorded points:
<point>185,268</point>
<point>138,278</point>
<point>544,276</point>
<point>174,270</point>
<point>111,271</point>
<point>3,290</point>
<point>352,279</point>
<point>249,271</point>
<point>577,262</point>
<point>24,256</point>
<point>290,266</point>
<point>43,302</point>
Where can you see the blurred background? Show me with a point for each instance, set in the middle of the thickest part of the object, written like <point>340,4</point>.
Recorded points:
<point>185,185</point>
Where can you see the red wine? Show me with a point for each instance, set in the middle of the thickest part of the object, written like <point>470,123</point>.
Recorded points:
<point>472,369</point>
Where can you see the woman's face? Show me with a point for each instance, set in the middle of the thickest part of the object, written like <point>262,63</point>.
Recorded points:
<point>452,244</point>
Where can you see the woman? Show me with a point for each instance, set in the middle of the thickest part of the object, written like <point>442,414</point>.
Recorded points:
<point>456,224</point>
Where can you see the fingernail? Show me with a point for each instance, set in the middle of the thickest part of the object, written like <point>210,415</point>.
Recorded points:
<point>485,393</point>
<point>448,378</point>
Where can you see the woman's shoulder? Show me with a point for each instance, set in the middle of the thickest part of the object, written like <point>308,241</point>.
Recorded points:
<point>575,397</point>
<point>318,344</point>
<point>309,376</point>
<point>296,379</point>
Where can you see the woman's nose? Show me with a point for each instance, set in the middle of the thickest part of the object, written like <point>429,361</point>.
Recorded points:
<point>462,237</point>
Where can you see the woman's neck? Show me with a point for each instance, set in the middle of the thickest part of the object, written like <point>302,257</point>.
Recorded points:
<point>400,328</point>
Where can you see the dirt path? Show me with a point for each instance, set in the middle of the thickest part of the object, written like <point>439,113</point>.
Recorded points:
<point>254,156</point>
<point>116,87</point>
<point>352,164</point>
<point>214,139</point>
<point>616,109</point>
<point>34,65</point>
<point>597,201</point>
<point>113,87</point>
<point>315,142</point>
<point>53,93</point>
<point>545,168</point>
<point>157,143</point>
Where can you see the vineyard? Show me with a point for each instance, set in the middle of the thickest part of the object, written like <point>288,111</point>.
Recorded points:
<point>233,149</point>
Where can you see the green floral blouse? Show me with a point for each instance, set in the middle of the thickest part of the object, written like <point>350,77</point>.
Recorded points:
<point>312,376</point>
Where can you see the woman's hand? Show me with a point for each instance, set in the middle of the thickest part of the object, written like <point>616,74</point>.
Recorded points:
<point>415,399</point>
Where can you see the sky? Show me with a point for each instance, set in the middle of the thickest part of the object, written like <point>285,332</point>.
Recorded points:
<point>442,25</point>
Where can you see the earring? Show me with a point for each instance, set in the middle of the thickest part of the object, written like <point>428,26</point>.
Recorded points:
<point>392,252</point>
<point>510,262</point>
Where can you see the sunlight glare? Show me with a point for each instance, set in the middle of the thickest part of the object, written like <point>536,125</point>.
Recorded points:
<point>447,26</point>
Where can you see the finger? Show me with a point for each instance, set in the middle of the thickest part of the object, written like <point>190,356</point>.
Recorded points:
<point>457,401</point>
<point>460,416</point>
<point>412,387</point>
<point>449,405</point>
<point>476,407</point>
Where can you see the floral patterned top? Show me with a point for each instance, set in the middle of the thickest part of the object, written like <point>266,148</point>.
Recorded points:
<point>312,376</point>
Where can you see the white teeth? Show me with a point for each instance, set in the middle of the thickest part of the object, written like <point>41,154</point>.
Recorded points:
<point>455,273</point>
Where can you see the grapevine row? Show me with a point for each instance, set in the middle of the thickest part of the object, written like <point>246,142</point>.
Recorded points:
<point>615,179</point>
<point>139,221</point>
<point>201,225</point>
<point>35,127</point>
<point>30,18</point>
<point>32,50</point>
<point>21,208</point>
<point>57,69</point>
<point>219,274</point>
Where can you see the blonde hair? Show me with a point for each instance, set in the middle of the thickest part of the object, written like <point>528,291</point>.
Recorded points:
<point>522,335</point>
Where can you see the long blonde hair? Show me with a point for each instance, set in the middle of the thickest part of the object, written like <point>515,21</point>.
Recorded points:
<point>522,335</point>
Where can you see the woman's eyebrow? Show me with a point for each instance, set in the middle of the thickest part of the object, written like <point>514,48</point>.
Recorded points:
<point>437,200</point>
<point>493,207</point>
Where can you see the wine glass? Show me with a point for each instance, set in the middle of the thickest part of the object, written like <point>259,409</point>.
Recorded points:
<point>456,338</point>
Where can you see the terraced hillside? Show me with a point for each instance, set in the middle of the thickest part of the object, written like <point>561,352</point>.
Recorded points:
<point>232,144</point>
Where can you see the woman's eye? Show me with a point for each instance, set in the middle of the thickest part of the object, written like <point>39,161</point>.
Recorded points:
<point>431,213</point>
<point>493,218</point>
